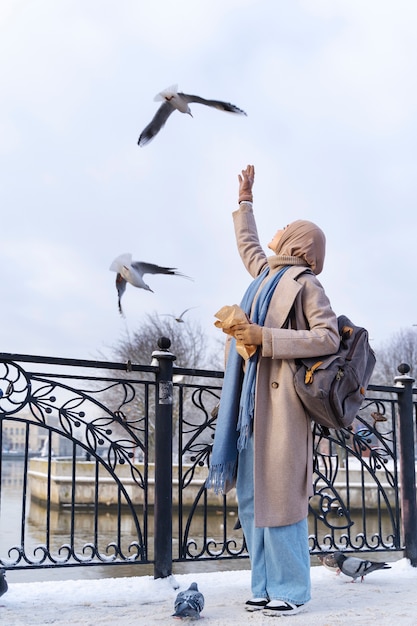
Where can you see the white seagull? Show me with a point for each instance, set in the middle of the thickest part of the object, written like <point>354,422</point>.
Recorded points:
<point>132,272</point>
<point>173,99</point>
<point>180,317</point>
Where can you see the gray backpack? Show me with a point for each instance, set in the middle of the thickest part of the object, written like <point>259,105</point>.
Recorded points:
<point>332,388</point>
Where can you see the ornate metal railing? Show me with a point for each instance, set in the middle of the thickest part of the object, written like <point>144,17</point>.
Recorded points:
<point>105,464</point>
<point>356,496</point>
<point>79,433</point>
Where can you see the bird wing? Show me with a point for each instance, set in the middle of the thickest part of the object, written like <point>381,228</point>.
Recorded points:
<point>156,124</point>
<point>354,567</point>
<point>122,259</point>
<point>217,104</point>
<point>150,268</point>
<point>198,600</point>
<point>179,318</point>
<point>184,312</point>
<point>373,566</point>
<point>179,599</point>
<point>121,288</point>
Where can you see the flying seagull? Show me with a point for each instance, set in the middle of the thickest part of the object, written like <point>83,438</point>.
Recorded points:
<point>357,568</point>
<point>180,317</point>
<point>189,603</point>
<point>173,99</point>
<point>132,272</point>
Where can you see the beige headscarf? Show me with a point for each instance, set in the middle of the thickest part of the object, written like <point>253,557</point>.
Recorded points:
<point>305,241</point>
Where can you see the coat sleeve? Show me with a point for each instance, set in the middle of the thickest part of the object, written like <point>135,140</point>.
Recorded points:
<point>316,332</point>
<point>247,239</point>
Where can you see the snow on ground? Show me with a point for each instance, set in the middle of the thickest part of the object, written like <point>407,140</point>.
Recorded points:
<point>385,597</point>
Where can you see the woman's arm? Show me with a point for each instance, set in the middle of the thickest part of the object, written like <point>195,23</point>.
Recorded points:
<point>246,232</point>
<point>316,332</point>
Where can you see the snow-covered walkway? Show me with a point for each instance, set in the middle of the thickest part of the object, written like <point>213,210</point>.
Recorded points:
<point>386,597</point>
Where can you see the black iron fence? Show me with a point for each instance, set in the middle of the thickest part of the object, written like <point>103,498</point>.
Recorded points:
<point>105,464</point>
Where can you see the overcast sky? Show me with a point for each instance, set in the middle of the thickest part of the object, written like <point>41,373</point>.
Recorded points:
<point>329,87</point>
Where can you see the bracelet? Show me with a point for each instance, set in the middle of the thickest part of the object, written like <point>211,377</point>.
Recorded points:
<point>246,201</point>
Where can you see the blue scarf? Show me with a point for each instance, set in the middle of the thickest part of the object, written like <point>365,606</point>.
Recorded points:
<point>237,403</point>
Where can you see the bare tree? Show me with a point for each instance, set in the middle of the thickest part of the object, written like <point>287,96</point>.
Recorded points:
<point>399,348</point>
<point>189,345</point>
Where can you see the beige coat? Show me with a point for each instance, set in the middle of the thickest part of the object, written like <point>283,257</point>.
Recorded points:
<point>282,430</point>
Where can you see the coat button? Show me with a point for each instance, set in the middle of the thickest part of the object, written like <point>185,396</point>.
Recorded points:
<point>274,385</point>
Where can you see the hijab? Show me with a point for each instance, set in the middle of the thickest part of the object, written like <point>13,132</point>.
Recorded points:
<point>301,243</point>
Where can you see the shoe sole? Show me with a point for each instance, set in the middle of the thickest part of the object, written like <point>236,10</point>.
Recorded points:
<point>282,613</point>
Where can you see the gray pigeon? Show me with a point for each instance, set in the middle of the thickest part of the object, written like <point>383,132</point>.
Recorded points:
<point>174,100</point>
<point>189,603</point>
<point>132,272</point>
<point>357,568</point>
<point>3,582</point>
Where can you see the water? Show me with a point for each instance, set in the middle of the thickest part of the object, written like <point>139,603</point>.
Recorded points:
<point>12,534</point>
<point>60,525</point>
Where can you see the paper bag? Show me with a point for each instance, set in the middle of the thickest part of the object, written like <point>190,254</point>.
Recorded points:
<point>229,316</point>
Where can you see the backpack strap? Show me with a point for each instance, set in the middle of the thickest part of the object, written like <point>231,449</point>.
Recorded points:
<point>308,378</point>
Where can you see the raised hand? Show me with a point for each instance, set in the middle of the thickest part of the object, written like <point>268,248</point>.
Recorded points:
<point>246,180</point>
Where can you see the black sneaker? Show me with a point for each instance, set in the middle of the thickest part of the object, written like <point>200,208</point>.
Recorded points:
<point>256,604</point>
<point>279,607</point>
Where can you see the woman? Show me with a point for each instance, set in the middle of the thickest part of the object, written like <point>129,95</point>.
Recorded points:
<point>263,436</point>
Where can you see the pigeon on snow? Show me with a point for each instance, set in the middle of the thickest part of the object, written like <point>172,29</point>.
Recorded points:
<point>174,100</point>
<point>132,272</point>
<point>357,568</point>
<point>3,582</point>
<point>189,603</point>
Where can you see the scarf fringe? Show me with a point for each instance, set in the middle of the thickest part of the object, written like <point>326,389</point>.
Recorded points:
<point>220,475</point>
<point>242,442</point>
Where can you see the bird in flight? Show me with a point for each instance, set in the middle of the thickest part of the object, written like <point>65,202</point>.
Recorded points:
<point>173,100</point>
<point>132,272</point>
<point>180,317</point>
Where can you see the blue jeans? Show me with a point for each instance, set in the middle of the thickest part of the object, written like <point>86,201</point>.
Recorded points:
<point>280,557</point>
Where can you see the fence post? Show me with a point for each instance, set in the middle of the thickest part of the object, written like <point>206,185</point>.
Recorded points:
<point>407,463</point>
<point>163,461</point>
